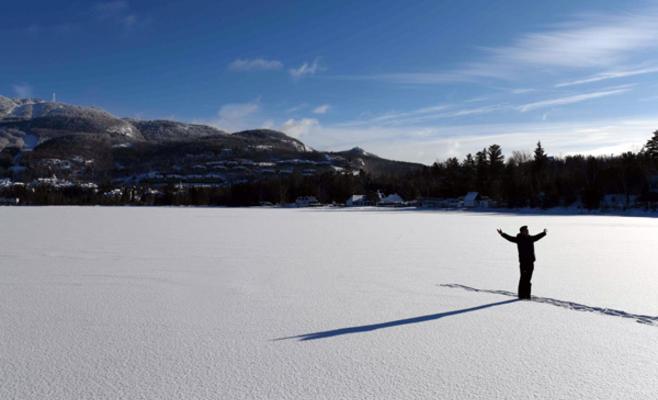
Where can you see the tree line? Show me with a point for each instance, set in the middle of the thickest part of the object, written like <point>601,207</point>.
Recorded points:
<point>525,179</point>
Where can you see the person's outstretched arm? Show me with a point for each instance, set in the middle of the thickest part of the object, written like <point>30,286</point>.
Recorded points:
<point>539,236</point>
<point>506,236</point>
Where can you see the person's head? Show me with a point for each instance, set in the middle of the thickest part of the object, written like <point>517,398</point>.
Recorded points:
<point>524,230</point>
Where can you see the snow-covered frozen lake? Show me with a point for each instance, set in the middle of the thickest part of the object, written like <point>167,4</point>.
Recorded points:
<point>202,303</point>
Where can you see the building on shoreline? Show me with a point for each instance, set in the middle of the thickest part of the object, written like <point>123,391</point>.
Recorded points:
<point>358,200</point>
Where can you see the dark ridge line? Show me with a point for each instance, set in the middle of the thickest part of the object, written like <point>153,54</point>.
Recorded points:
<point>642,319</point>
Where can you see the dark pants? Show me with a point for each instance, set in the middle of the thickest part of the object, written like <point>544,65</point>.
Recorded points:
<point>526,275</point>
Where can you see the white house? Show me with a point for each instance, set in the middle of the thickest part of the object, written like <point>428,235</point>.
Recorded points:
<point>392,200</point>
<point>357,200</point>
<point>472,199</point>
<point>306,201</point>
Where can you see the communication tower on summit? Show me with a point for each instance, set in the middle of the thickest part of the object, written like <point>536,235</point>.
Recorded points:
<point>54,97</point>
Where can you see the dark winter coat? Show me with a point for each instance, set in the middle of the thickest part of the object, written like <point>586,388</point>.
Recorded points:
<point>525,244</point>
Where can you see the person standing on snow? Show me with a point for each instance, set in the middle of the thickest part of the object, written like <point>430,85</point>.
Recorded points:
<point>526,246</point>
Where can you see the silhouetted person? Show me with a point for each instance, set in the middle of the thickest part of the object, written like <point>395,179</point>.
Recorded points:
<point>526,245</point>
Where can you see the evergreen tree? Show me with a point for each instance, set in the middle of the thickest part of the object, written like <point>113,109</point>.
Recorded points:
<point>469,161</point>
<point>496,158</point>
<point>496,167</point>
<point>539,176</point>
<point>651,148</point>
<point>540,155</point>
<point>453,181</point>
<point>481,168</point>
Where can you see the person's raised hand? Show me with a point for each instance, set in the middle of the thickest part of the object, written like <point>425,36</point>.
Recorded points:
<point>545,230</point>
<point>500,231</point>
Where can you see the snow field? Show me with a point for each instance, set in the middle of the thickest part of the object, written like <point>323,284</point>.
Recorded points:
<point>199,303</point>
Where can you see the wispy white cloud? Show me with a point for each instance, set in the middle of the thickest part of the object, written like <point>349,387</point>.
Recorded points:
<point>571,99</point>
<point>584,42</point>
<point>413,78</point>
<point>232,117</point>
<point>476,99</point>
<point>461,112</point>
<point>473,111</point>
<point>238,110</point>
<point>268,124</point>
<point>296,108</point>
<point>255,64</point>
<point>610,75</point>
<point>426,114</point>
<point>321,109</point>
<point>422,115</point>
<point>22,90</point>
<point>396,116</point>
<point>299,127</point>
<point>306,69</point>
<point>522,90</point>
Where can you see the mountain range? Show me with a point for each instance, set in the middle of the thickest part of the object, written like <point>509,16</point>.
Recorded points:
<point>40,138</point>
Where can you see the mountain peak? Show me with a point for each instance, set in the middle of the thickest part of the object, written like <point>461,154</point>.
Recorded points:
<point>358,152</point>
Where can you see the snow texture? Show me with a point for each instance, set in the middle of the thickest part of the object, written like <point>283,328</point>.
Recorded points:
<point>203,303</point>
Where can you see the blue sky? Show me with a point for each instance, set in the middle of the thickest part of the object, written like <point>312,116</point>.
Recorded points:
<point>414,81</point>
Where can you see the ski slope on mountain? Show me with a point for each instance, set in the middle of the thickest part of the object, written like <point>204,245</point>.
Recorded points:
<point>203,303</point>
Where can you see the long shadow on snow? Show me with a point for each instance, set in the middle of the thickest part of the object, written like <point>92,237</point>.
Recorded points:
<point>642,319</point>
<point>368,328</point>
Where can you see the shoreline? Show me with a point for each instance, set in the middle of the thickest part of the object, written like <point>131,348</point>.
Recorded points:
<point>557,211</point>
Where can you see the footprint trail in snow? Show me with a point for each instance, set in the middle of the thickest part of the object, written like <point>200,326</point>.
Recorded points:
<point>642,319</point>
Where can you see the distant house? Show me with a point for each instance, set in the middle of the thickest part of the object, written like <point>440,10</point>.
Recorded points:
<point>358,200</point>
<point>307,201</point>
<point>472,199</point>
<point>392,200</point>
<point>618,201</point>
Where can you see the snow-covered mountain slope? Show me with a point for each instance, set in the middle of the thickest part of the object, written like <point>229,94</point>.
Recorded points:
<point>186,303</point>
<point>40,120</point>
<point>268,135</point>
<point>58,131</point>
<point>163,130</point>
